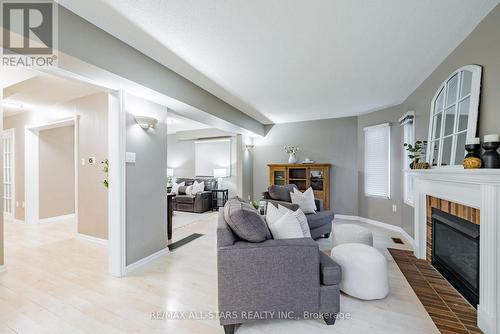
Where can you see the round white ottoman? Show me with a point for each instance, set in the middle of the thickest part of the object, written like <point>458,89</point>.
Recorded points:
<point>350,233</point>
<point>364,271</point>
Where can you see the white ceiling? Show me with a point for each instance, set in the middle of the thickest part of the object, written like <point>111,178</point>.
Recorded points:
<point>177,123</point>
<point>284,60</point>
<point>32,90</point>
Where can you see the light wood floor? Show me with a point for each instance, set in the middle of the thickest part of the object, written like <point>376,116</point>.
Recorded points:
<point>57,283</point>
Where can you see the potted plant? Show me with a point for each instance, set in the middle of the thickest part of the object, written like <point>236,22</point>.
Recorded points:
<point>415,151</point>
<point>291,150</point>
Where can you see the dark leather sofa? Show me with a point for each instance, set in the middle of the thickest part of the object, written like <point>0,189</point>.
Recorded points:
<point>197,203</point>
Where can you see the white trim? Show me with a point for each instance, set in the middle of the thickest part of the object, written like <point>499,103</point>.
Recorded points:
<point>407,114</point>
<point>57,218</point>
<point>394,228</point>
<point>146,260</point>
<point>12,133</point>
<point>32,163</point>
<point>90,238</point>
<point>383,125</point>
<point>3,268</point>
<point>117,185</point>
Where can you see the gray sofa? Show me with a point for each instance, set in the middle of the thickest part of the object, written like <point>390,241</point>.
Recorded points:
<point>197,203</point>
<point>320,223</point>
<point>289,278</point>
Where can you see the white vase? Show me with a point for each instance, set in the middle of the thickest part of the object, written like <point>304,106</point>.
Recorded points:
<point>292,159</point>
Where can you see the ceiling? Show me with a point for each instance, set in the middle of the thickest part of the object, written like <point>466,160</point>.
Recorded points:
<point>283,60</point>
<point>30,90</point>
<point>177,123</point>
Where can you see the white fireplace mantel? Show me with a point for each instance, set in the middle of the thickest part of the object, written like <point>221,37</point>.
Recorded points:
<point>479,188</point>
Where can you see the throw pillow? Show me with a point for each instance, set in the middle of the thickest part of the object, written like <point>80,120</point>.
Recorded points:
<point>281,193</point>
<point>286,227</point>
<point>198,187</point>
<point>245,221</point>
<point>175,187</point>
<point>272,213</point>
<point>301,217</point>
<point>189,190</point>
<point>304,200</point>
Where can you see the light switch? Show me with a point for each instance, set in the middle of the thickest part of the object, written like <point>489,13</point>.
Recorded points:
<point>83,161</point>
<point>130,157</point>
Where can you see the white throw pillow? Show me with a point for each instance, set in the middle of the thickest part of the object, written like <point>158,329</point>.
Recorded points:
<point>198,187</point>
<point>175,187</point>
<point>305,200</point>
<point>189,190</point>
<point>301,217</point>
<point>286,227</point>
<point>272,213</point>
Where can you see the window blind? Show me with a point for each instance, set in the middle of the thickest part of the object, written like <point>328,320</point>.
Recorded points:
<point>377,160</point>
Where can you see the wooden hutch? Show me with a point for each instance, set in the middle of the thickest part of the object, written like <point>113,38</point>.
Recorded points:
<point>304,176</point>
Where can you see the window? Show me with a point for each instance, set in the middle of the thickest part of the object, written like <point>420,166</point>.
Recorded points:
<point>408,124</point>
<point>454,114</point>
<point>378,160</point>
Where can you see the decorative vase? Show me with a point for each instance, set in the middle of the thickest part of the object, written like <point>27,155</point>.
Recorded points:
<point>414,163</point>
<point>472,160</point>
<point>491,158</point>
<point>292,158</point>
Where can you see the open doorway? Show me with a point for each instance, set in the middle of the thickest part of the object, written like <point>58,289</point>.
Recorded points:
<point>199,153</point>
<point>55,134</point>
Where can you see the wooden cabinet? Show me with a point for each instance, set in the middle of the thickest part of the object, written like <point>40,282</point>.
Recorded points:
<point>304,176</point>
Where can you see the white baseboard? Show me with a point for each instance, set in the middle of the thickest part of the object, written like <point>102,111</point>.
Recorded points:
<point>398,229</point>
<point>93,239</point>
<point>146,260</point>
<point>57,218</point>
<point>3,268</point>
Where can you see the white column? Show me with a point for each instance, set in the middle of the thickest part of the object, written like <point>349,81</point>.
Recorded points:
<point>420,220</point>
<point>488,255</point>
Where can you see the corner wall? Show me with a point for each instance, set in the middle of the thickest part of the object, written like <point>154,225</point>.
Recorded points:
<point>146,181</point>
<point>331,141</point>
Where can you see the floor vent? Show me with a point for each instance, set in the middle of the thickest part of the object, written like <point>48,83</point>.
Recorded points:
<point>398,241</point>
<point>183,241</point>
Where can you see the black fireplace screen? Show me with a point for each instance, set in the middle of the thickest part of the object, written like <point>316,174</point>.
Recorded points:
<point>455,252</point>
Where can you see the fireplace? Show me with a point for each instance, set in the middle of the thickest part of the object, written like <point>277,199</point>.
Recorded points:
<point>455,252</point>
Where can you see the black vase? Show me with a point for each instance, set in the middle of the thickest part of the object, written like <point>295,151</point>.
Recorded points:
<point>491,158</point>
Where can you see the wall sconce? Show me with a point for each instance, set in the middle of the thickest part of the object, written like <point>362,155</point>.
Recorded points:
<point>219,173</point>
<point>249,146</point>
<point>146,122</point>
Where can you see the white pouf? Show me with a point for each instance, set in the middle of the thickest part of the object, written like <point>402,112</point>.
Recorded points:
<point>350,233</point>
<point>364,271</point>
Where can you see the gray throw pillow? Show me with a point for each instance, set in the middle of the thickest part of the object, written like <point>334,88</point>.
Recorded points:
<point>182,190</point>
<point>281,193</point>
<point>245,221</point>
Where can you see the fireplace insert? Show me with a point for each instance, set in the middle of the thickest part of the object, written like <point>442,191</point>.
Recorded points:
<point>455,252</point>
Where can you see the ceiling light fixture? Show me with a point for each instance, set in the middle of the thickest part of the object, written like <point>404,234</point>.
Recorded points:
<point>146,122</point>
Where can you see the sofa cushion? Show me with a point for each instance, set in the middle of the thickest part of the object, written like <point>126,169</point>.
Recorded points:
<point>181,190</point>
<point>245,221</point>
<point>281,193</point>
<point>185,198</point>
<point>320,218</point>
<point>210,184</point>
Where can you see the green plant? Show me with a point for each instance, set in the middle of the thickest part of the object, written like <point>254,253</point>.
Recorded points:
<point>255,204</point>
<point>105,169</point>
<point>416,151</point>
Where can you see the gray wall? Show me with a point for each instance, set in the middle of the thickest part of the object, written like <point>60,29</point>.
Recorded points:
<point>57,172</point>
<point>331,141</point>
<point>146,179</point>
<point>481,47</point>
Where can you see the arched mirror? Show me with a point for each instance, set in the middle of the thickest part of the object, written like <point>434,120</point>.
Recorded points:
<point>454,115</point>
